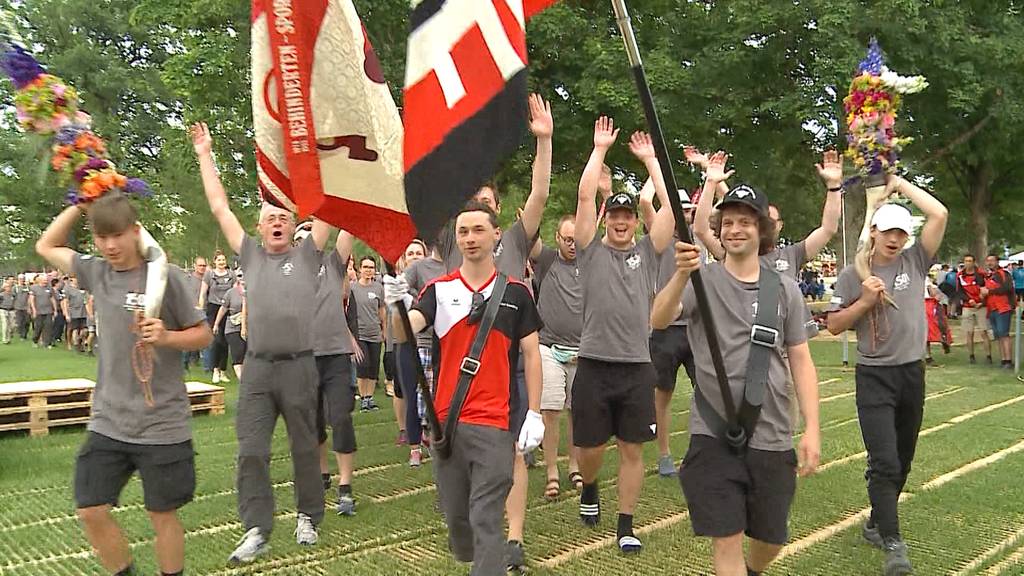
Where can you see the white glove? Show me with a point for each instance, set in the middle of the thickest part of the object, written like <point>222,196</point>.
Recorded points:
<point>532,433</point>
<point>396,290</point>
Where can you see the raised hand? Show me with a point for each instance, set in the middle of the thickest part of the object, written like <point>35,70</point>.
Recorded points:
<point>831,169</point>
<point>541,123</point>
<point>695,157</point>
<point>641,146</point>
<point>202,142</point>
<point>605,133</point>
<point>715,170</point>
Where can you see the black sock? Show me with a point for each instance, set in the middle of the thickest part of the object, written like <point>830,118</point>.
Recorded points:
<point>344,489</point>
<point>127,571</point>
<point>751,572</point>
<point>625,525</point>
<point>589,493</point>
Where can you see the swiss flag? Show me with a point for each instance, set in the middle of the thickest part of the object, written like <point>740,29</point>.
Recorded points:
<point>465,100</point>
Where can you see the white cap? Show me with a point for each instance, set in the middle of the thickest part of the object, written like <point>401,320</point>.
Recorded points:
<point>684,199</point>
<point>893,216</point>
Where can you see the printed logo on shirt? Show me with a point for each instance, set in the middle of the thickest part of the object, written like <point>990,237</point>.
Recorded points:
<point>836,300</point>
<point>781,265</point>
<point>287,268</point>
<point>633,261</point>
<point>323,270</point>
<point>371,295</point>
<point>498,249</point>
<point>902,282</point>
<point>509,305</point>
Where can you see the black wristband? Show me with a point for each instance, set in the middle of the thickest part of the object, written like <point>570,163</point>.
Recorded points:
<point>836,189</point>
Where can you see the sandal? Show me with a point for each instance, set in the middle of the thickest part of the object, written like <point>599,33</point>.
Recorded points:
<point>630,545</point>
<point>576,479</point>
<point>553,489</point>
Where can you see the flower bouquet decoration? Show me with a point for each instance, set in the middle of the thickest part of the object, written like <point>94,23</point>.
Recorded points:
<point>872,142</point>
<point>48,106</point>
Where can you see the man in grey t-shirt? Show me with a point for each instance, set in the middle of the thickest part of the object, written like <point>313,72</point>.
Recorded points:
<point>75,313</point>
<point>41,305</point>
<point>7,316</point>
<point>279,376</point>
<point>368,296</point>
<point>21,312</point>
<point>613,392</point>
<point>891,344</point>
<point>139,421</point>
<point>733,493</point>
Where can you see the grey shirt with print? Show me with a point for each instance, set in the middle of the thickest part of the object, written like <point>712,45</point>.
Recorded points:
<point>330,330</point>
<point>618,287</point>
<point>418,275</point>
<point>217,285</point>
<point>510,253</point>
<point>667,269</point>
<point>886,336</point>
<point>195,284</point>
<point>76,302</point>
<point>42,296</point>
<point>560,301</point>
<point>734,304</point>
<point>369,300</point>
<point>233,301</point>
<point>281,295</point>
<point>119,409</point>
<point>787,260</point>
<point>6,300</point>
<point>21,297</point>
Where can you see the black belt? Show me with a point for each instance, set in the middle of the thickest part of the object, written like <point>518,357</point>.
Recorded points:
<point>279,357</point>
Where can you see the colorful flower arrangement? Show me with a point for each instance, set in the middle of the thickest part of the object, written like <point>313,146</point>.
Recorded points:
<point>871,107</point>
<point>48,106</point>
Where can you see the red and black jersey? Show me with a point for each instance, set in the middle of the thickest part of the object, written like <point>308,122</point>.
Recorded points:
<point>446,303</point>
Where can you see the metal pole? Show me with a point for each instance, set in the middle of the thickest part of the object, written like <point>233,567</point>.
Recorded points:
<point>846,333</point>
<point>647,100</point>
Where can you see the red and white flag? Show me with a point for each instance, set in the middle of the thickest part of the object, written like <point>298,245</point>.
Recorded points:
<point>328,133</point>
<point>465,100</point>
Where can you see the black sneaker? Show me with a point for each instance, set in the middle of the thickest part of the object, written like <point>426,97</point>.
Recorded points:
<point>590,514</point>
<point>364,404</point>
<point>326,478</point>
<point>897,559</point>
<point>972,360</point>
<point>371,405</point>
<point>989,358</point>
<point>515,558</point>
<point>871,534</point>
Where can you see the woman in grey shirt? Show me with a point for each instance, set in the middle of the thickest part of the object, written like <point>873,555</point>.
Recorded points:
<point>216,284</point>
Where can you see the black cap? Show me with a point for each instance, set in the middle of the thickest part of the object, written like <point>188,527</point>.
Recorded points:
<point>620,200</point>
<point>746,195</point>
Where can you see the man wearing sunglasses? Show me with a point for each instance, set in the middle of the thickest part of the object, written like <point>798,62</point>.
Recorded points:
<point>474,481</point>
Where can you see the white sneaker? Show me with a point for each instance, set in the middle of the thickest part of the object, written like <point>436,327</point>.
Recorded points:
<point>250,546</point>
<point>216,376</point>
<point>305,531</point>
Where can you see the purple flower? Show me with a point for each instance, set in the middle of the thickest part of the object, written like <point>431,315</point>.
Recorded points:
<point>92,164</point>
<point>67,134</point>
<point>20,66</point>
<point>873,63</point>
<point>137,187</point>
<point>72,197</point>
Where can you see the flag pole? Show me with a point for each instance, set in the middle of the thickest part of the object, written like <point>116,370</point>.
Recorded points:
<point>735,433</point>
<point>846,333</point>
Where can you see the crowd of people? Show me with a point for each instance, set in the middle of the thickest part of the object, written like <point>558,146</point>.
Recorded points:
<point>513,335</point>
<point>48,309</point>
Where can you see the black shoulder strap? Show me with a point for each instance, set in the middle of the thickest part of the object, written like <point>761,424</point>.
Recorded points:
<point>471,363</point>
<point>764,336</point>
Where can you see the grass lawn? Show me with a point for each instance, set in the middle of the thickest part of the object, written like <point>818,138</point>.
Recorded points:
<point>963,510</point>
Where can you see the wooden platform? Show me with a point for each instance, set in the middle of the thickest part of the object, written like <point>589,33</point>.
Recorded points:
<point>40,405</point>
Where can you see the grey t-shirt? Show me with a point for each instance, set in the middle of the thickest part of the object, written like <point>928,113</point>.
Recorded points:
<point>42,296</point>
<point>330,330</point>
<point>119,408</point>
<point>7,300</point>
<point>560,300</point>
<point>281,294</point>
<point>787,260</point>
<point>217,285</point>
<point>195,285</point>
<point>233,300</point>
<point>21,297</point>
<point>369,300</point>
<point>734,304</point>
<point>667,269</point>
<point>418,275</point>
<point>886,336</point>
<point>76,302</point>
<point>510,253</point>
<point>618,287</point>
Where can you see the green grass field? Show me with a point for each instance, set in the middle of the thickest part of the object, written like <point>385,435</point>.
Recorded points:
<point>963,511</point>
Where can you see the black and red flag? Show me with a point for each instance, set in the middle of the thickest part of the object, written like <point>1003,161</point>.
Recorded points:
<point>465,100</point>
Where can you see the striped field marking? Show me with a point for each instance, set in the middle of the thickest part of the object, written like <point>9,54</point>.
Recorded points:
<point>1008,562</point>
<point>996,550</point>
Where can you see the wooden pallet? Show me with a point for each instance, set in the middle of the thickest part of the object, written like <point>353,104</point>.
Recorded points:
<point>40,405</point>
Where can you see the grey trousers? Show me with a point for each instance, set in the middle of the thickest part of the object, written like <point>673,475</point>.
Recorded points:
<point>268,389</point>
<point>7,321</point>
<point>42,326</point>
<point>473,484</point>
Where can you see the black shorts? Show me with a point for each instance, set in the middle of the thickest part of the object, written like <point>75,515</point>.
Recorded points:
<point>104,466</point>
<point>369,368</point>
<point>612,399</point>
<point>236,346</point>
<point>670,348</point>
<point>76,324</point>
<point>336,400</point>
<point>728,494</point>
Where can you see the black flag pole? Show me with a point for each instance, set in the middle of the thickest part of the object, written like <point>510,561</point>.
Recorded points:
<point>736,436</point>
<point>436,430</point>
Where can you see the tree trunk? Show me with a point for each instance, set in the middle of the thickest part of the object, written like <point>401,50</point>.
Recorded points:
<point>980,202</point>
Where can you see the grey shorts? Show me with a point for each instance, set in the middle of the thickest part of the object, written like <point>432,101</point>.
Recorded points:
<point>558,379</point>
